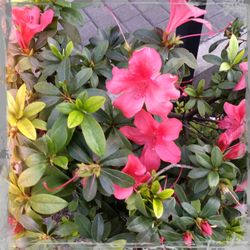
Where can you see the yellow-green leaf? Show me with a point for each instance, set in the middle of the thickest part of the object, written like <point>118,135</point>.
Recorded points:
<point>61,161</point>
<point>39,124</point>
<point>12,120</point>
<point>94,103</point>
<point>225,66</point>
<point>33,109</point>
<point>30,176</point>
<point>165,194</point>
<point>11,103</point>
<point>20,100</point>
<point>26,127</point>
<point>47,204</point>
<point>158,208</point>
<point>75,118</point>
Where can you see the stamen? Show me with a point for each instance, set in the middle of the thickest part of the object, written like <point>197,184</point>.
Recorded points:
<point>74,178</point>
<point>119,26</point>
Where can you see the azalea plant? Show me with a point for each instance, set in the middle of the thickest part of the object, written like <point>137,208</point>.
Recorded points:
<point>110,144</point>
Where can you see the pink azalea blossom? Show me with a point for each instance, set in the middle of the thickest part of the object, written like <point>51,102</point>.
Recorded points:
<point>143,83</point>
<point>28,22</point>
<point>206,228</point>
<point>234,152</point>
<point>242,186</point>
<point>187,238</point>
<point>135,169</point>
<point>181,12</point>
<point>242,82</point>
<point>157,138</point>
<point>234,122</point>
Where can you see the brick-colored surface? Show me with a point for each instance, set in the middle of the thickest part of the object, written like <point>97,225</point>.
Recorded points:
<point>134,14</point>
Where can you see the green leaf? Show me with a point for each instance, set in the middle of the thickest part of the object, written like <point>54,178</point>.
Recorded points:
<point>190,91</point>
<point>65,107</point>
<point>83,76</point>
<point>94,103</point>
<point>94,80</point>
<point>31,176</point>
<point>186,56</point>
<point>200,87</point>
<point>189,209</point>
<point>201,107</point>
<point>100,50</point>
<point>119,178</point>
<point>47,204</point>
<point>75,118</point>
<point>197,173</point>
<point>84,225</point>
<point>47,89</point>
<point>59,133</point>
<point>139,224</point>
<point>69,48</point>
<point>61,161</point>
<point>180,193</point>
<point>155,188</point>
<point>204,160</point>
<point>147,36</point>
<point>158,208</point>
<point>97,228</point>
<point>63,70</point>
<point>39,124</point>
<point>213,179</point>
<point>26,127</point>
<point>216,156</point>
<point>89,191</point>
<point>72,16</point>
<point>233,48</point>
<point>66,229</point>
<point>216,44</point>
<point>139,204</point>
<point>211,208</point>
<point>197,205</point>
<point>239,57</point>
<point>212,59</point>
<point>94,135</point>
<point>106,184</point>
<point>165,194</point>
<point>225,66</point>
<point>190,104</point>
<point>226,85</point>
<point>55,51</point>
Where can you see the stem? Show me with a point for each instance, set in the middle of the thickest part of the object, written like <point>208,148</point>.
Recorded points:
<point>74,178</point>
<point>168,168</point>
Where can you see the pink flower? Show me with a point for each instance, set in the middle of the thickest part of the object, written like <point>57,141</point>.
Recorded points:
<point>156,137</point>
<point>135,169</point>
<point>234,152</point>
<point>16,227</point>
<point>234,122</point>
<point>181,12</point>
<point>28,22</point>
<point>242,82</point>
<point>242,187</point>
<point>205,228</point>
<point>187,238</point>
<point>143,83</point>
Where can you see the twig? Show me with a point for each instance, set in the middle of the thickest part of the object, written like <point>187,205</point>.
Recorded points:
<point>168,168</point>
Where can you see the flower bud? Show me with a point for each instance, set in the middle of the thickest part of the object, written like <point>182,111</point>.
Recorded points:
<point>187,238</point>
<point>206,228</point>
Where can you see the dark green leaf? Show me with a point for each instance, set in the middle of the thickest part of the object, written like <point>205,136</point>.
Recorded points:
<point>216,156</point>
<point>97,228</point>
<point>211,208</point>
<point>100,50</point>
<point>147,36</point>
<point>84,225</point>
<point>180,193</point>
<point>212,59</point>
<point>90,189</point>
<point>47,89</point>
<point>119,178</point>
<point>83,76</point>
<point>106,184</point>
<point>189,209</point>
<point>197,173</point>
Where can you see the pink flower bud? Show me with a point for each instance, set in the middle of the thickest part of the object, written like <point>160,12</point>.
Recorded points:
<point>206,229</point>
<point>187,238</point>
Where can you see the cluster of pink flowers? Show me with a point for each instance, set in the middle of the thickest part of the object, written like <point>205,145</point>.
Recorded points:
<point>234,124</point>
<point>142,83</point>
<point>28,22</point>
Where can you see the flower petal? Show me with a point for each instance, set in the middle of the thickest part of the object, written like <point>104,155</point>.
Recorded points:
<point>122,193</point>
<point>145,122</point>
<point>170,129</point>
<point>168,151</point>
<point>133,134</point>
<point>129,103</point>
<point>145,63</point>
<point>150,158</point>
<point>121,81</point>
